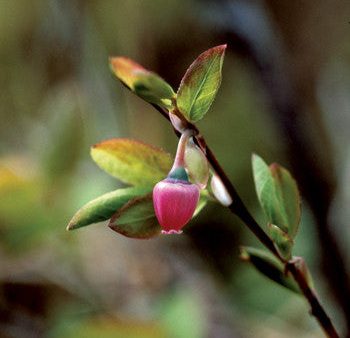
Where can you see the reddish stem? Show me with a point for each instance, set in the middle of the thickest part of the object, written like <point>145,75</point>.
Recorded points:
<point>181,147</point>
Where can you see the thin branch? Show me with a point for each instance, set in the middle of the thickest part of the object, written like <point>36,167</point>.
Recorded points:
<point>253,35</point>
<point>238,208</point>
<point>316,308</point>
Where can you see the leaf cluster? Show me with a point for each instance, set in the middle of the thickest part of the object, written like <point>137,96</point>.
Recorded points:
<point>130,210</point>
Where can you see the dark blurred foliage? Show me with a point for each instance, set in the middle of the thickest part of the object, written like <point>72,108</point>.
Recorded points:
<point>284,95</point>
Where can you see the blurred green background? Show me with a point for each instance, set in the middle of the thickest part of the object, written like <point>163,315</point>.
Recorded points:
<point>286,74</point>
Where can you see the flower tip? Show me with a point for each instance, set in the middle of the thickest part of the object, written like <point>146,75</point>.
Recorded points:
<point>172,232</point>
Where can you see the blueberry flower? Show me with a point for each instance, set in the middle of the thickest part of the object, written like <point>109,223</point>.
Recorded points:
<point>175,198</point>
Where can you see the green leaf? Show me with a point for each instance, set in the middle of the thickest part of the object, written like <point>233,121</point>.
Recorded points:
<point>154,89</point>
<point>147,85</point>
<point>136,219</point>
<point>269,266</point>
<point>278,195</point>
<point>282,240</point>
<point>200,84</point>
<point>266,192</point>
<point>288,197</point>
<point>103,207</point>
<point>131,161</point>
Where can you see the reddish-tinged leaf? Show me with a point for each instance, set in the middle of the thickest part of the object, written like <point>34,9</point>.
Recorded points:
<point>136,219</point>
<point>200,84</point>
<point>126,70</point>
<point>144,83</point>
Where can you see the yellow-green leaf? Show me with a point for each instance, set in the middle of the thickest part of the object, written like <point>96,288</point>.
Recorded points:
<point>104,207</point>
<point>136,219</point>
<point>131,161</point>
<point>144,83</point>
<point>200,84</point>
<point>126,70</point>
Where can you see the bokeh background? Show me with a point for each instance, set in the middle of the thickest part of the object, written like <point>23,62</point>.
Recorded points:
<point>285,95</point>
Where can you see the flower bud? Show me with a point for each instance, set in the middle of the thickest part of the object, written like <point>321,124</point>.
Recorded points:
<point>220,192</point>
<point>175,200</point>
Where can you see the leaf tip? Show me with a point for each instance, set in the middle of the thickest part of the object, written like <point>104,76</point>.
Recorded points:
<point>217,50</point>
<point>101,145</point>
<point>256,159</point>
<point>111,223</point>
<point>222,47</point>
<point>114,62</point>
<point>70,226</point>
<point>119,61</point>
<point>111,58</point>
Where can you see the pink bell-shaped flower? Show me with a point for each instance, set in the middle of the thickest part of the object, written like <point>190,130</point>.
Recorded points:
<point>175,200</point>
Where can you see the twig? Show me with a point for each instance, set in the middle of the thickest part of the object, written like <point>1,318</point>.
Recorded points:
<point>316,308</point>
<point>253,35</point>
<point>238,208</point>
